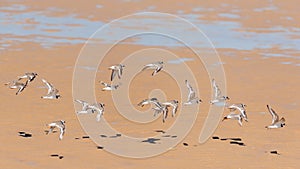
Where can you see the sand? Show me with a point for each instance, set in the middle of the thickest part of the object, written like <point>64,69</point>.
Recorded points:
<point>251,78</point>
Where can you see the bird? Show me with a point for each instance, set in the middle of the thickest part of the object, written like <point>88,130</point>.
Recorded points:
<point>86,108</point>
<point>52,91</point>
<point>108,87</point>
<point>29,75</point>
<point>163,109</point>
<point>17,85</point>
<point>192,98</point>
<point>157,66</point>
<point>116,70</point>
<point>241,108</point>
<point>234,116</point>
<point>148,101</point>
<point>172,103</point>
<point>59,124</point>
<point>217,94</point>
<point>99,108</point>
<point>276,122</point>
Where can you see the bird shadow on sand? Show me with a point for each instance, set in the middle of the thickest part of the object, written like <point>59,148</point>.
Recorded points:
<point>113,136</point>
<point>232,140</point>
<point>24,134</point>
<point>151,140</point>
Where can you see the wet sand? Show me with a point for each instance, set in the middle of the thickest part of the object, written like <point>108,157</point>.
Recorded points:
<point>252,78</point>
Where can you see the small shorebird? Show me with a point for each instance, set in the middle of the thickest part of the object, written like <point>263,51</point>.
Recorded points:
<point>99,108</point>
<point>17,85</point>
<point>149,101</point>
<point>52,91</point>
<point>86,108</point>
<point>163,109</point>
<point>234,116</point>
<point>276,123</point>
<point>108,87</point>
<point>217,94</point>
<point>116,70</point>
<point>192,99</point>
<point>241,108</point>
<point>172,103</point>
<point>29,75</point>
<point>59,124</point>
<point>157,66</point>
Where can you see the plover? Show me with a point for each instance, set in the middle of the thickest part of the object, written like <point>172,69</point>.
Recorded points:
<point>172,103</point>
<point>234,116</point>
<point>241,108</point>
<point>149,101</point>
<point>59,124</point>
<point>52,92</point>
<point>116,70</point>
<point>276,123</point>
<point>163,109</point>
<point>157,66</point>
<point>17,85</point>
<point>29,75</point>
<point>217,94</point>
<point>108,87</point>
<point>192,98</point>
<point>86,108</point>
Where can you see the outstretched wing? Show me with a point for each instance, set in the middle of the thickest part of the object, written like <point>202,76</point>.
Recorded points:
<point>113,74</point>
<point>217,91</point>
<point>275,117</point>
<point>192,93</point>
<point>49,86</point>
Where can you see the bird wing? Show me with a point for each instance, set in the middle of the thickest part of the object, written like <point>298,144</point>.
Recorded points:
<point>217,91</point>
<point>113,74</point>
<point>275,117</point>
<point>49,86</point>
<point>192,93</point>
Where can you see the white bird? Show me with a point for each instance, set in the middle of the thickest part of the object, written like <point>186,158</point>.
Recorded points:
<point>241,108</point>
<point>86,108</point>
<point>29,75</point>
<point>99,108</point>
<point>217,94</point>
<point>172,103</point>
<point>163,109</point>
<point>116,70</point>
<point>157,66</point>
<point>17,85</point>
<point>52,91</point>
<point>192,98</point>
<point>108,87</point>
<point>149,101</point>
<point>234,116</point>
<point>276,123</point>
<point>59,124</point>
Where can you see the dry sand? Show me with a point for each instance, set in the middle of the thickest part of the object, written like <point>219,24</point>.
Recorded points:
<point>251,78</point>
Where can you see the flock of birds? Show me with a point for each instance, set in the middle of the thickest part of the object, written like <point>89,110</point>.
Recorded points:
<point>237,110</point>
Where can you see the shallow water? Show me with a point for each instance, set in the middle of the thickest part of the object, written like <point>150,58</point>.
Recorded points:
<point>20,25</point>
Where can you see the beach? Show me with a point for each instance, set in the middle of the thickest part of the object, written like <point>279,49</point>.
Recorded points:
<point>260,61</point>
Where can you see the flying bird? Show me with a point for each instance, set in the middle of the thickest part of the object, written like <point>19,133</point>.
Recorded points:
<point>218,97</point>
<point>116,70</point>
<point>58,124</point>
<point>276,122</point>
<point>192,98</point>
<point>52,92</point>
<point>156,66</point>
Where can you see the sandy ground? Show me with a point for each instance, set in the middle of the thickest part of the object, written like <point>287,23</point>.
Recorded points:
<point>251,78</point>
